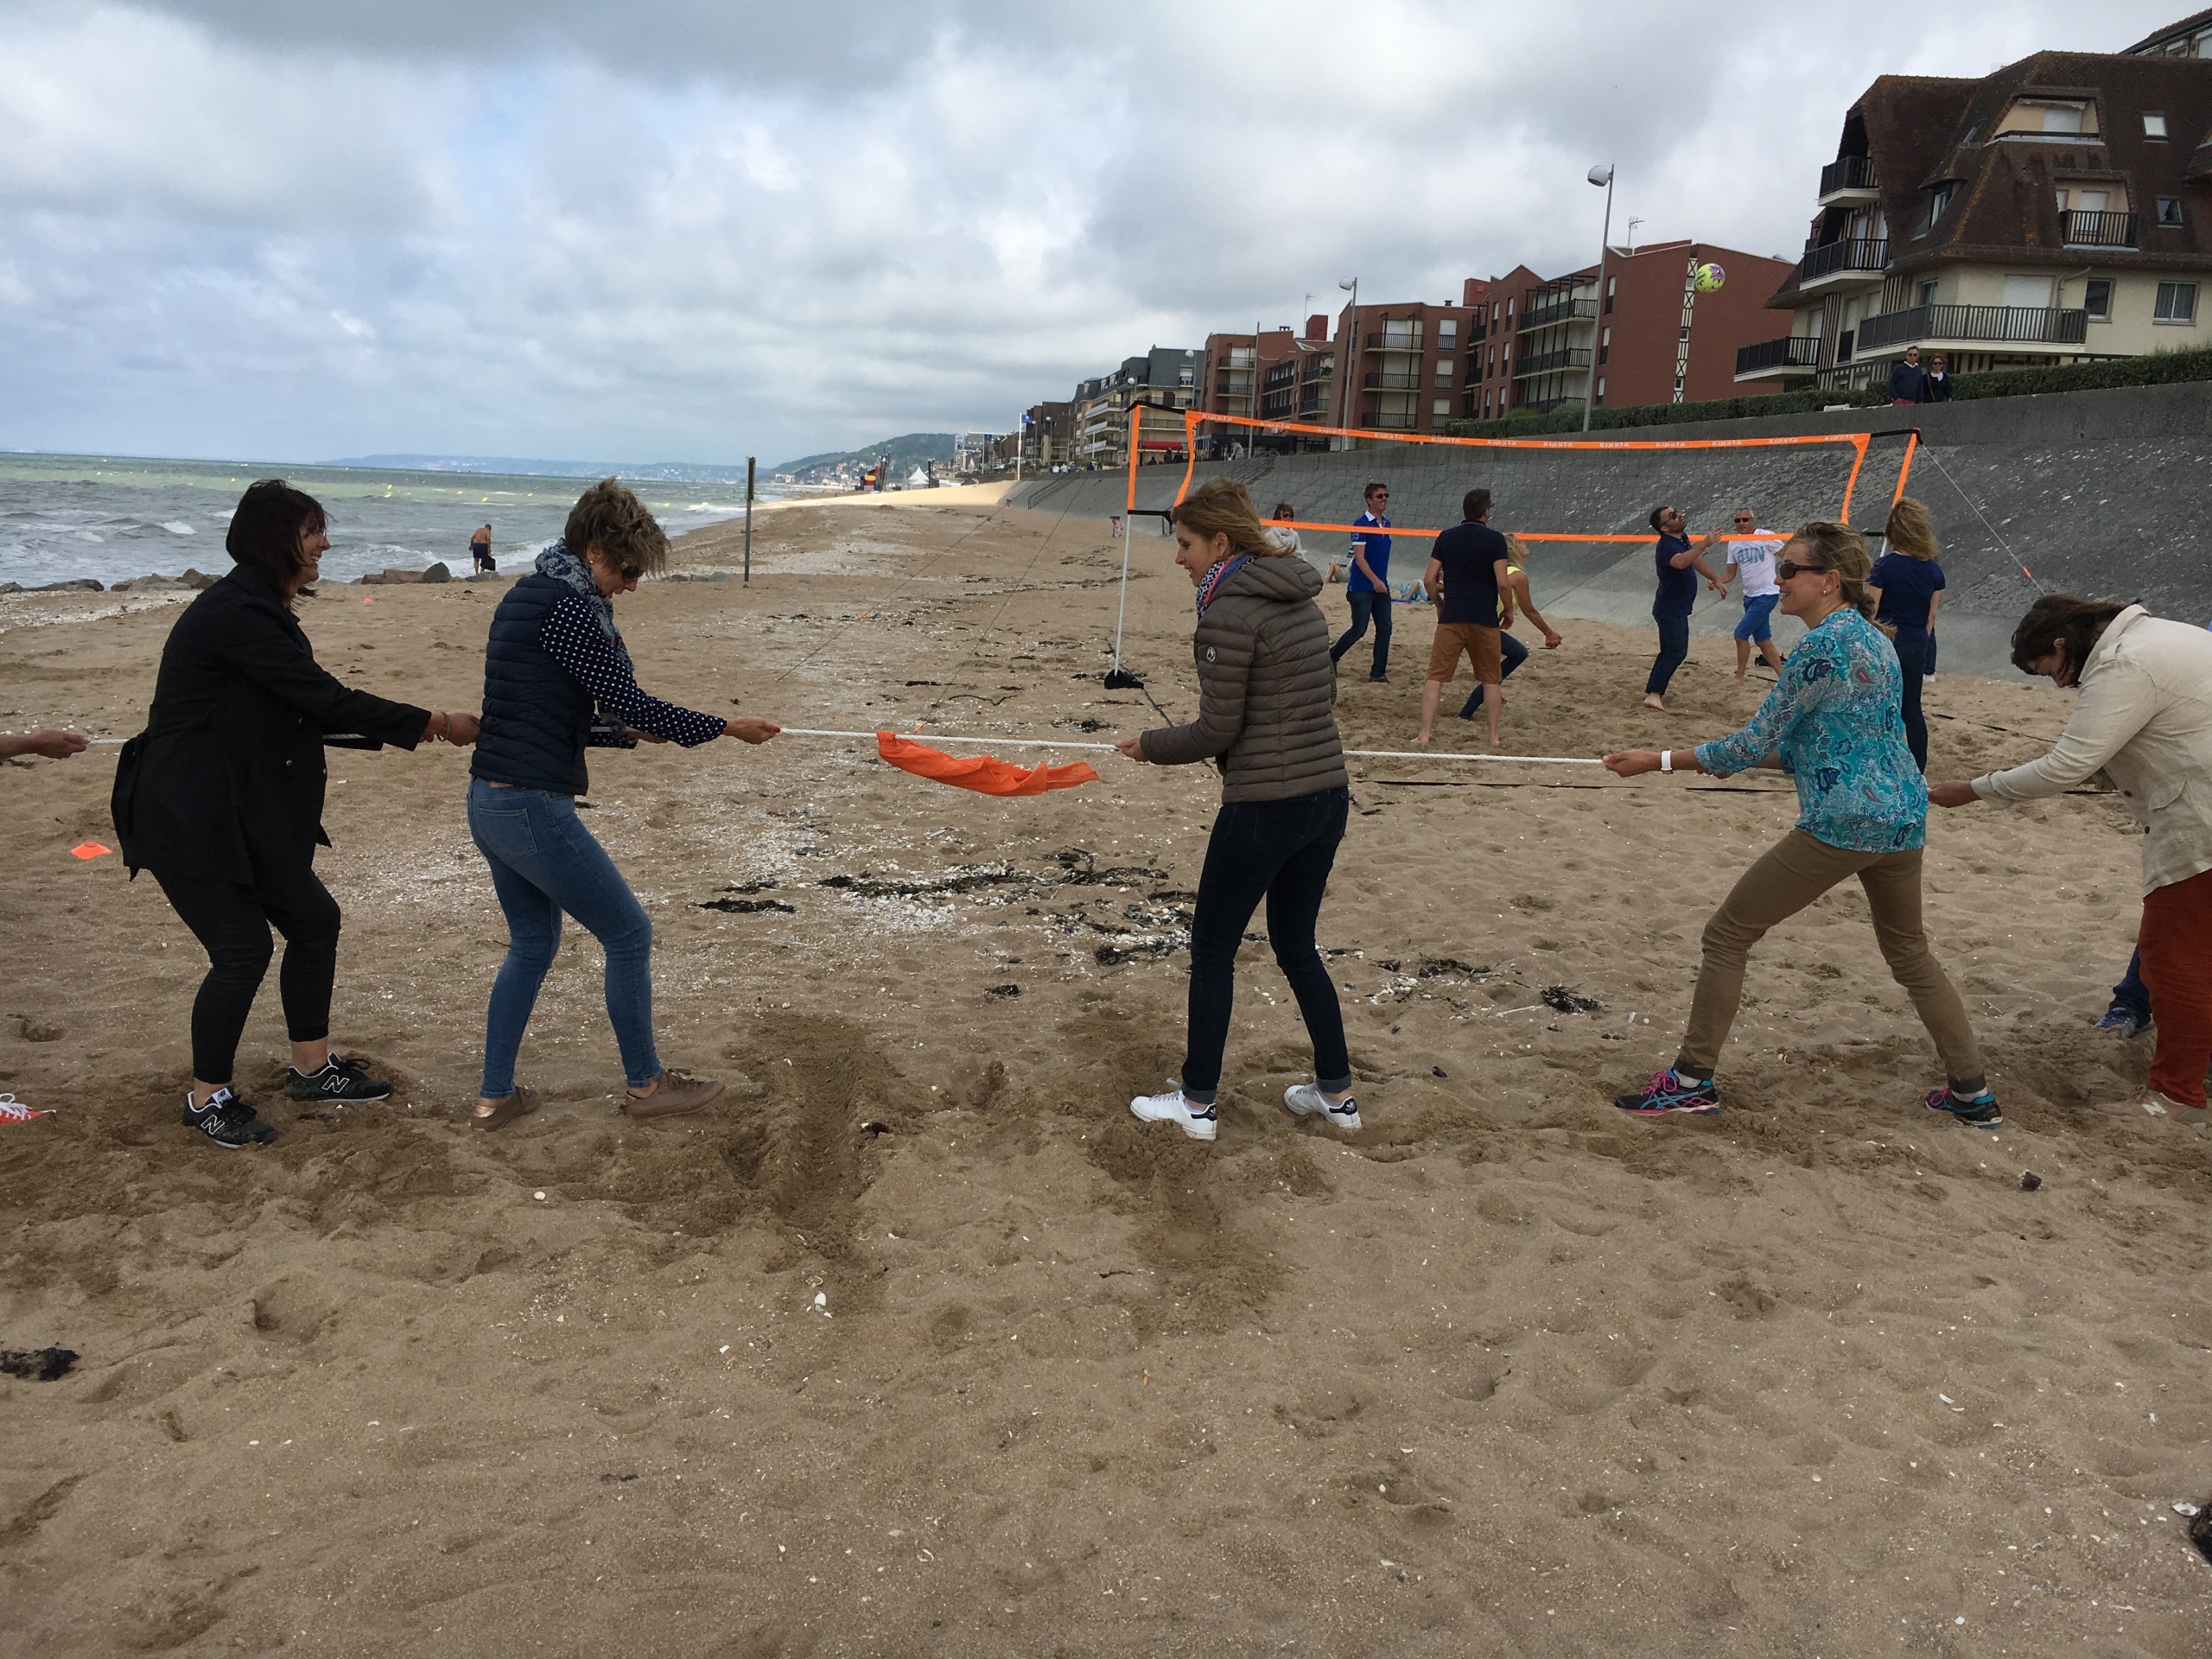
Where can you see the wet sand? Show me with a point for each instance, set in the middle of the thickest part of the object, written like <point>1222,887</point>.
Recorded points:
<point>1504,1372</point>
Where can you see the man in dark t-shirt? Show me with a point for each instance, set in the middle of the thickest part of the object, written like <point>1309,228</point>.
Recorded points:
<point>1467,583</point>
<point>1675,559</point>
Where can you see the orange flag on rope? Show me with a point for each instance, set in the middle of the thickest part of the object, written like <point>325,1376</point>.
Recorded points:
<point>985,774</point>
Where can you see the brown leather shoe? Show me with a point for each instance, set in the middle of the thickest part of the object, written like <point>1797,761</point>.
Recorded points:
<point>521,1103</point>
<point>678,1092</point>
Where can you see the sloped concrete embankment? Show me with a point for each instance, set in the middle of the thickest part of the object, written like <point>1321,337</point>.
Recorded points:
<point>2105,492</point>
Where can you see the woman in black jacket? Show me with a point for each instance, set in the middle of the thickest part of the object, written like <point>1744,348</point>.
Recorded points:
<point>221,797</point>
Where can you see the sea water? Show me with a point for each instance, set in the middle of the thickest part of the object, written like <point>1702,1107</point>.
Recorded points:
<point>65,517</point>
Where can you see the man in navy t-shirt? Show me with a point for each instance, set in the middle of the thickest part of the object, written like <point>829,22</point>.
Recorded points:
<point>1467,582</point>
<point>1368,586</point>
<point>1674,558</point>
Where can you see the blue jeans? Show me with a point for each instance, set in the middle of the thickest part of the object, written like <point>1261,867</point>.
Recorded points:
<point>1758,616</point>
<point>1912,659</point>
<point>544,861</point>
<point>1674,648</point>
<point>1282,851</point>
<point>1513,653</point>
<point>2132,995</point>
<point>1366,605</point>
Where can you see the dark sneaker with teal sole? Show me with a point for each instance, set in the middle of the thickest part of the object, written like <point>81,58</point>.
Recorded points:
<point>338,1080</point>
<point>1667,1094</point>
<point>227,1121</point>
<point>1979,1110</point>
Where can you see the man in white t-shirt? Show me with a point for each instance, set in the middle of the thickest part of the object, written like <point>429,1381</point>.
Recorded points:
<point>1751,555</point>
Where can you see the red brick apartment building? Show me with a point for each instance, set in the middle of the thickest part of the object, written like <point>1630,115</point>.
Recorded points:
<point>1653,340</point>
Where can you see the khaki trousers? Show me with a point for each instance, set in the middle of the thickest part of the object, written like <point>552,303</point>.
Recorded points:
<point>1792,873</point>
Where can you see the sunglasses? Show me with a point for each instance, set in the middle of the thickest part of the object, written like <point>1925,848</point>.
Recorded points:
<point>1789,567</point>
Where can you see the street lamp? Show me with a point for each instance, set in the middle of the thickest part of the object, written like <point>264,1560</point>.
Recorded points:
<point>1346,353</point>
<point>1600,175</point>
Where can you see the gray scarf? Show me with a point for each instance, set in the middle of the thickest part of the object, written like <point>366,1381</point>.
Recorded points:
<point>565,567</point>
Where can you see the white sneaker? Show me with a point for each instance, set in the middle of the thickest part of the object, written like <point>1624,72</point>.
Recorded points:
<point>1195,1121</point>
<point>1304,1099</point>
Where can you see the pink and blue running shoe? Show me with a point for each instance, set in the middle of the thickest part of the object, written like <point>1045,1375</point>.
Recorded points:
<point>1667,1094</point>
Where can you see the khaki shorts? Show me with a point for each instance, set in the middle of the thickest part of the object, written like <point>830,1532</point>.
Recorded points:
<point>1478,642</point>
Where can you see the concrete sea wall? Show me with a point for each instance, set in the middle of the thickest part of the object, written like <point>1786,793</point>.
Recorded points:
<point>2105,492</point>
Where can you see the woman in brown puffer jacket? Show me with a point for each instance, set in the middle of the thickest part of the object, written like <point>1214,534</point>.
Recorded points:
<point>1267,692</point>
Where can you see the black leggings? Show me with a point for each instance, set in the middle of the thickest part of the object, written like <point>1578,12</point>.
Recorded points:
<point>1283,850</point>
<point>232,924</point>
<point>1913,650</point>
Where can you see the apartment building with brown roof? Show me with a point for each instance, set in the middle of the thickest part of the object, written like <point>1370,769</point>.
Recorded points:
<point>2053,211</point>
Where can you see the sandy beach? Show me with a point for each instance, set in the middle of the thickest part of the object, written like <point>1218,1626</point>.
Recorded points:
<point>916,1343</point>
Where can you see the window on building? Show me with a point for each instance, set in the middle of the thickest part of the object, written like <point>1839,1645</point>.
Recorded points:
<point>2096,299</point>
<point>2048,118</point>
<point>2170,210</point>
<point>1443,407</point>
<point>2154,125</point>
<point>1601,388</point>
<point>1446,328</point>
<point>2177,303</point>
<point>1509,308</point>
<point>1927,295</point>
<point>1612,287</point>
<point>1443,371</point>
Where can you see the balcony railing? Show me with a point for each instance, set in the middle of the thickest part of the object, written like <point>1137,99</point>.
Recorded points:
<point>2099,230</point>
<point>1392,342</point>
<point>1390,420</point>
<point>1557,311</point>
<point>1826,261</point>
<point>1852,173</point>
<point>1790,351</point>
<point>1993,325</point>
<point>1573,357</point>
<point>1392,380</point>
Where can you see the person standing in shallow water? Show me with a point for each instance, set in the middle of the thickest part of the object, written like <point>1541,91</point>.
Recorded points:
<point>1831,722</point>
<point>1266,695</point>
<point>554,654</point>
<point>480,550</point>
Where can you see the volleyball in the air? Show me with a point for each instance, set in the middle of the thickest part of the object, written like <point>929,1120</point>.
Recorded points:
<point>1710,277</point>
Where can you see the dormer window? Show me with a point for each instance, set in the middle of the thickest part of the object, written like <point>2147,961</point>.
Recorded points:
<point>2061,118</point>
<point>1938,199</point>
<point>2154,125</point>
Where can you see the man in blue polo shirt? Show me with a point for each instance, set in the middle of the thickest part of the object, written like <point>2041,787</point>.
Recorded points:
<point>1367,586</point>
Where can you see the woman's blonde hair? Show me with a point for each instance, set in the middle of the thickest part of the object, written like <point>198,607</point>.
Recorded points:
<point>1842,549</point>
<point>1222,506</point>
<point>1515,550</point>
<point>1911,531</point>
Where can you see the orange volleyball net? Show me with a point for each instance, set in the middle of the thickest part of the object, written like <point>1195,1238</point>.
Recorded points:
<point>1849,450</point>
<point>1857,442</point>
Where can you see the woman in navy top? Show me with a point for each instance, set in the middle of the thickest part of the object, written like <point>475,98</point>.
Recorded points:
<point>553,657</point>
<point>1906,586</point>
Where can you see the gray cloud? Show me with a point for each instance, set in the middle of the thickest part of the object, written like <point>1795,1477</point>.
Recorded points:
<point>691,231</point>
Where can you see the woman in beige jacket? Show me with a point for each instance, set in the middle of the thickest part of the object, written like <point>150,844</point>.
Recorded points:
<point>2145,718</point>
<point>1266,695</point>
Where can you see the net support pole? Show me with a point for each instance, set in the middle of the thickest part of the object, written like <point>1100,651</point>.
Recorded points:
<point>1858,461</point>
<point>1905,467</point>
<point>1128,518</point>
<point>749,460</point>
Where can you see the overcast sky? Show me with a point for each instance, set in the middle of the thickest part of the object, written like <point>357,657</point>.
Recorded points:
<point>694,230</point>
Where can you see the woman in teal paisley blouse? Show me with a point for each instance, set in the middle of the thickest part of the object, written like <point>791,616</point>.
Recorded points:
<point>1835,722</point>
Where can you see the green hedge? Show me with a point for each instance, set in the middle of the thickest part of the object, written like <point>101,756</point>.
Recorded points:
<point>2159,368</point>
